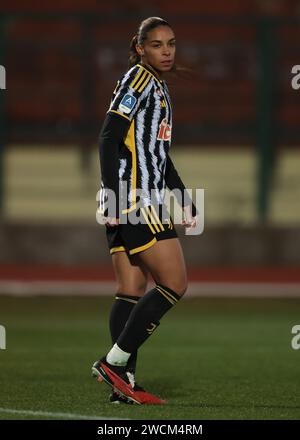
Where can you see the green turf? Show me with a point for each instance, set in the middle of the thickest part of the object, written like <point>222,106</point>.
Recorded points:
<point>210,358</point>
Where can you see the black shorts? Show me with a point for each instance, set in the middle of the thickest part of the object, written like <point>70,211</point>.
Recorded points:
<point>132,238</point>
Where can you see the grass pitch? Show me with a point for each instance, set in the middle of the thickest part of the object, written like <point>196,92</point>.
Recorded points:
<point>210,358</point>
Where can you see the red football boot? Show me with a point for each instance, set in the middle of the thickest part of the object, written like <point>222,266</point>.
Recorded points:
<point>123,382</point>
<point>146,398</point>
<point>115,377</point>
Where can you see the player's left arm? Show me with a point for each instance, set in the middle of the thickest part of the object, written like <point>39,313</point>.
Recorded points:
<point>173,181</point>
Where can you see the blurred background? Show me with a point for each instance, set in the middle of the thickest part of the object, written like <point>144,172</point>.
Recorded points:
<point>236,134</point>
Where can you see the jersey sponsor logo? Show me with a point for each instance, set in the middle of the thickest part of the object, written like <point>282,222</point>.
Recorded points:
<point>164,131</point>
<point>127,103</point>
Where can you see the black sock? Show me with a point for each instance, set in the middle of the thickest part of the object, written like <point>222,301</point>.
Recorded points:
<point>145,317</point>
<point>119,314</point>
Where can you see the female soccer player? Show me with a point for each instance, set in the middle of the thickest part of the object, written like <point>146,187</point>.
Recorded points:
<point>134,154</point>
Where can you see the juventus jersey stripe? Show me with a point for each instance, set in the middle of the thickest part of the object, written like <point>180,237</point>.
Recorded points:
<point>143,99</point>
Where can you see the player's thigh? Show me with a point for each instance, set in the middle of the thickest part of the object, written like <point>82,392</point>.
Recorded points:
<point>131,278</point>
<point>165,261</point>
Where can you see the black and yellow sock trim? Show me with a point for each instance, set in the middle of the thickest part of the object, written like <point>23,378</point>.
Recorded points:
<point>171,296</point>
<point>128,298</point>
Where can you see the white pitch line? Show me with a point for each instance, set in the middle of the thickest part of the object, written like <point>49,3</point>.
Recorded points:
<point>56,415</point>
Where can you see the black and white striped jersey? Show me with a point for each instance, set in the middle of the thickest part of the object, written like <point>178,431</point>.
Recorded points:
<point>134,143</point>
<point>144,101</point>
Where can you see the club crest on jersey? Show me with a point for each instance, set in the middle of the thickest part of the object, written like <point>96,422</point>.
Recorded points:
<point>127,103</point>
<point>164,131</point>
<point>159,92</point>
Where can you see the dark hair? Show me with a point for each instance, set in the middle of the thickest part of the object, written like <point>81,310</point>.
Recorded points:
<point>146,26</point>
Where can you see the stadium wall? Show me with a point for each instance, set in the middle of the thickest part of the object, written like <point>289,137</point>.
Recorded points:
<point>79,244</point>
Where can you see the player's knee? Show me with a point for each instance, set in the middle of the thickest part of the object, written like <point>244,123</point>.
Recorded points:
<point>181,288</point>
<point>178,285</point>
<point>135,289</point>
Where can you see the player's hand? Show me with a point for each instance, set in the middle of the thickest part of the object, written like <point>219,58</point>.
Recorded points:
<point>111,221</point>
<point>103,219</point>
<point>189,221</point>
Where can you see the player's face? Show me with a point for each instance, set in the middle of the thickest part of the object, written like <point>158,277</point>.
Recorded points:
<point>159,49</point>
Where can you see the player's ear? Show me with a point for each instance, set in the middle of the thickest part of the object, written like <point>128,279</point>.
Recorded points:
<point>140,49</point>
